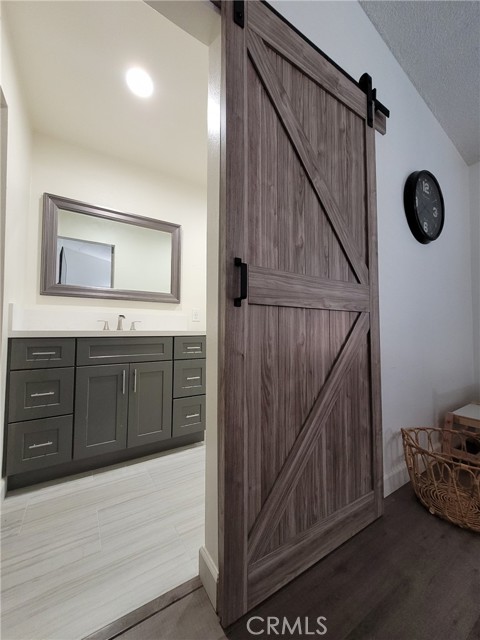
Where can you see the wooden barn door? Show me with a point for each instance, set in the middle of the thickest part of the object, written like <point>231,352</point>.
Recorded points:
<point>300,425</point>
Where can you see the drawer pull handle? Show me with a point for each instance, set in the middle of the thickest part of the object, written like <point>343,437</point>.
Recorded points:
<point>194,378</point>
<point>123,382</point>
<point>40,395</point>
<point>193,415</point>
<point>44,353</point>
<point>194,348</point>
<point>43,444</point>
<point>134,381</point>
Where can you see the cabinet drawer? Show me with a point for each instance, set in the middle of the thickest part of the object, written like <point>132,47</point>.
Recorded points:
<point>191,347</point>
<point>188,378</point>
<point>92,351</point>
<point>42,353</point>
<point>40,394</point>
<point>37,444</point>
<point>188,415</point>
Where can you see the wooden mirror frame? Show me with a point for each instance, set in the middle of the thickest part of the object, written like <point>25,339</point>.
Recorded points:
<point>48,284</point>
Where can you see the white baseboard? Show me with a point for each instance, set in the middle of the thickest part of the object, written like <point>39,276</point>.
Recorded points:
<point>208,575</point>
<point>395,479</point>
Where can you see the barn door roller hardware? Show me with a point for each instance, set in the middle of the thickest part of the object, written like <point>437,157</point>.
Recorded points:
<point>365,84</point>
<point>239,12</point>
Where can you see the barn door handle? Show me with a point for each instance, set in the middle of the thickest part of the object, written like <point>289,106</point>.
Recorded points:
<point>243,282</point>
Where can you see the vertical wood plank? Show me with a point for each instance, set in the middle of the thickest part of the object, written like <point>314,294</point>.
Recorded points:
<point>292,184</point>
<point>262,400</point>
<point>292,364</point>
<point>319,229</point>
<point>262,175</point>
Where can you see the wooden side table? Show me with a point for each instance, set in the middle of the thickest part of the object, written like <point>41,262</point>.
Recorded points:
<point>466,419</point>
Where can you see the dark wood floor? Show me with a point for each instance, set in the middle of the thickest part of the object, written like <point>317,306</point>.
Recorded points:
<point>409,576</point>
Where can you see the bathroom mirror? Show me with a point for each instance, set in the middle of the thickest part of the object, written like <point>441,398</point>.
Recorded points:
<point>95,252</point>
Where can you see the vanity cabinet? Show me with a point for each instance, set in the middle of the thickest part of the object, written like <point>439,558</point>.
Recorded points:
<point>119,396</point>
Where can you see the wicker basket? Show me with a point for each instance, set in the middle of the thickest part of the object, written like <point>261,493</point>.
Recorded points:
<point>446,482</point>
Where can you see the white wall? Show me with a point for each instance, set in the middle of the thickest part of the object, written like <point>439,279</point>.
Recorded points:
<point>81,174</point>
<point>17,183</point>
<point>475,214</point>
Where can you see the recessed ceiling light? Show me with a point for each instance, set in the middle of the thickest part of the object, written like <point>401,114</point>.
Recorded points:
<point>139,82</point>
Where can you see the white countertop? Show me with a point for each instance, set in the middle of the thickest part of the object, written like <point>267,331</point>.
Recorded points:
<point>101,334</point>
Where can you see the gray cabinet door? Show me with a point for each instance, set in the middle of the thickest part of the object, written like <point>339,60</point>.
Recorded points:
<point>101,401</point>
<point>150,403</point>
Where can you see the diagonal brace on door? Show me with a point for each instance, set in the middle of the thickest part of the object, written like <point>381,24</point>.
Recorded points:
<point>297,459</point>
<point>281,102</point>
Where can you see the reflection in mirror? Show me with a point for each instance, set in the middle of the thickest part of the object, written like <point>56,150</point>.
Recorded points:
<point>84,263</point>
<point>96,252</point>
<point>142,256</point>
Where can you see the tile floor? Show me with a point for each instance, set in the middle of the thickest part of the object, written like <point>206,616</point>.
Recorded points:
<point>77,554</point>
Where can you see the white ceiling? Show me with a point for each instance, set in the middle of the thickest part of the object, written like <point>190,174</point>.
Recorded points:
<point>438,46</point>
<point>71,59</point>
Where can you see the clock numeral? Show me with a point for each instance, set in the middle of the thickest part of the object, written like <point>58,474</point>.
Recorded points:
<point>435,212</point>
<point>416,201</point>
<point>425,227</point>
<point>426,187</point>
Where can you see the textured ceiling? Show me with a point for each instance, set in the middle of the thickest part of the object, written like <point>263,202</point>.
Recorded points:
<point>438,46</point>
<point>71,58</point>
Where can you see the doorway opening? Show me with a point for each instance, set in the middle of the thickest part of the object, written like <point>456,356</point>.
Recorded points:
<point>81,550</point>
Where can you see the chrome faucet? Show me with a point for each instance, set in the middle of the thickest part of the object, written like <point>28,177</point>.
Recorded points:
<point>121,318</point>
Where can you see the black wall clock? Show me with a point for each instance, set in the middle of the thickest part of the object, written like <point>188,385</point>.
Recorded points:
<point>424,207</point>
